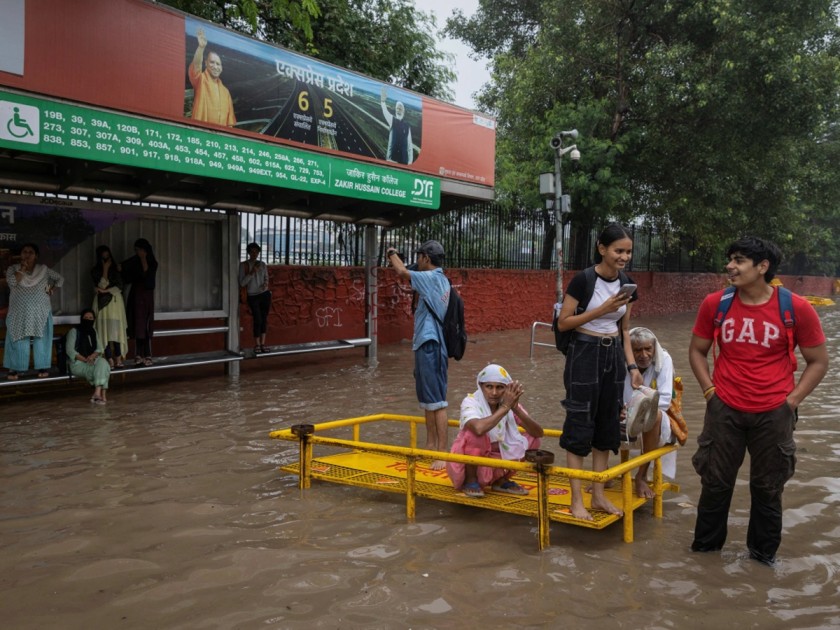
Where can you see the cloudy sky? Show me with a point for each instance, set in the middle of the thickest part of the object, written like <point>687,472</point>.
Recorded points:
<point>471,74</point>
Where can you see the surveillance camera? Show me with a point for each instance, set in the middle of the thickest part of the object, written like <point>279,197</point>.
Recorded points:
<point>574,155</point>
<point>555,143</point>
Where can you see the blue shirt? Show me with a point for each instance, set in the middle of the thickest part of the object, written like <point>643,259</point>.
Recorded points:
<point>433,289</point>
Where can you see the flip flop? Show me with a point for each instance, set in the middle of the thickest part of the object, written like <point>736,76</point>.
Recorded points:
<point>12,376</point>
<point>473,490</point>
<point>642,411</point>
<point>43,374</point>
<point>148,361</point>
<point>509,487</point>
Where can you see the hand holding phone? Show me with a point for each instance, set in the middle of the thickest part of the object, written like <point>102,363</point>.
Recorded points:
<point>626,291</point>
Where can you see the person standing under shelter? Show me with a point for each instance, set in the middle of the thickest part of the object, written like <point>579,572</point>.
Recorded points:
<point>752,397</point>
<point>109,307</point>
<point>29,322</point>
<point>430,355</point>
<point>212,102</point>
<point>140,271</point>
<point>253,277</point>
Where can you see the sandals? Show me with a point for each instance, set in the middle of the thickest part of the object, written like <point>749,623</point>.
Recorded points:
<point>43,374</point>
<point>148,361</point>
<point>12,376</point>
<point>473,490</point>
<point>138,361</point>
<point>509,487</point>
<point>98,401</point>
<point>119,364</point>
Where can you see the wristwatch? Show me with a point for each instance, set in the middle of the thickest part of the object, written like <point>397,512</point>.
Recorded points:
<point>632,367</point>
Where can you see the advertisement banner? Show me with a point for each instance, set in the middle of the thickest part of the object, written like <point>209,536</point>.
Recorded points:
<point>237,82</point>
<point>137,57</point>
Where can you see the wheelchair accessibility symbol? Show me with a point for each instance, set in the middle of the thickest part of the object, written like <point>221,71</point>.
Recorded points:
<point>19,123</point>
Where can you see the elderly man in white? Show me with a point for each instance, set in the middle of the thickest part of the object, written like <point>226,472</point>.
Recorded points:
<point>657,369</point>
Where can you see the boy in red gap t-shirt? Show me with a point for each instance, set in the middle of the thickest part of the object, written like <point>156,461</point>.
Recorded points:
<point>751,397</point>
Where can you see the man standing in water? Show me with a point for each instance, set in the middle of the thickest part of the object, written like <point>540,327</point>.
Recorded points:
<point>430,355</point>
<point>212,102</point>
<point>752,397</point>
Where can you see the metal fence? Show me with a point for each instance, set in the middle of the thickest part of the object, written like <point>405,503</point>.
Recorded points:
<point>479,236</point>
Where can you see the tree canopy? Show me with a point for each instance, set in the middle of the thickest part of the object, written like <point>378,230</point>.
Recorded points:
<point>389,40</point>
<point>712,118</point>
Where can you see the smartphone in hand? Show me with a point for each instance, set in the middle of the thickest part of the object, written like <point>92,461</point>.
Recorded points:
<point>627,290</point>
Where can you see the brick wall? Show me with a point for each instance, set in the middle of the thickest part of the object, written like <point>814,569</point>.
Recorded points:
<point>325,303</point>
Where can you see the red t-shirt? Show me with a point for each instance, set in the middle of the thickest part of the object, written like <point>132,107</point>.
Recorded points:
<point>752,371</point>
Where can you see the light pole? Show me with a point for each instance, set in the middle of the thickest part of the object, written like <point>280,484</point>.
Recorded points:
<point>562,203</point>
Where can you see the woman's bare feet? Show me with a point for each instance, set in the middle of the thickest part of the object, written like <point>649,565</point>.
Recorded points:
<point>438,465</point>
<point>605,505</point>
<point>643,490</point>
<point>579,511</point>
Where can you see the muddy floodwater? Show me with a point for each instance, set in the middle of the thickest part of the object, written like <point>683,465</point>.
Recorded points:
<point>166,509</point>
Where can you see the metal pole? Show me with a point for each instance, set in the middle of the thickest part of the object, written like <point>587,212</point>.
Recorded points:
<point>558,223</point>
<point>371,293</point>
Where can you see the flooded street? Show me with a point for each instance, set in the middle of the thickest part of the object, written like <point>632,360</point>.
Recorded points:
<point>165,509</point>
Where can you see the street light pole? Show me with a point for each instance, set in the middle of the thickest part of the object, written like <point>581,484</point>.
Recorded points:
<point>562,204</point>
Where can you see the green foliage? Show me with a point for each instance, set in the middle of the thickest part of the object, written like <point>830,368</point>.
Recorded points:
<point>705,118</point>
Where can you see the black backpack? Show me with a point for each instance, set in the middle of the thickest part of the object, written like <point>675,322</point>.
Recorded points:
<point>454,331</point>
<point>562,338</point>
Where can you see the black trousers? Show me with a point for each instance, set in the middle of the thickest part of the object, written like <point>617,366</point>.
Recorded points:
<point>260,306</point>
<point>726,437</point>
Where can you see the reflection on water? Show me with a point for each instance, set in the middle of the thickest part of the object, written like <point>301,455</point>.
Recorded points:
<point>165,510</point>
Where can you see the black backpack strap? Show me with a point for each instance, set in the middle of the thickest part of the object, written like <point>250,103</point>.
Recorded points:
<point>432,311</point>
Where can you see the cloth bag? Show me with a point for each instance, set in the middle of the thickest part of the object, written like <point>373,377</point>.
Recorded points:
<point>679,427</point>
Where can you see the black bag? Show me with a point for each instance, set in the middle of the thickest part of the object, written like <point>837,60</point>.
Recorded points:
<point>562,338</point>
<point>454,331</point>
<point>103,300</point>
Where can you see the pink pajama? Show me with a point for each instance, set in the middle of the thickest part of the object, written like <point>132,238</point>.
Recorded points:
<point>468,443</point>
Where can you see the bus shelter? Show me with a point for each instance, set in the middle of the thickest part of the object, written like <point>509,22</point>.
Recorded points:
<point>107,133</point>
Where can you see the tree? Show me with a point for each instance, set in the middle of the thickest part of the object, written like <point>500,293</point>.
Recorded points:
<point>702,118</point>
<point>389,40</point>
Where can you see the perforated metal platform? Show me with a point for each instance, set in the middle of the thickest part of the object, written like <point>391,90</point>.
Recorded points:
<point>408,471</point>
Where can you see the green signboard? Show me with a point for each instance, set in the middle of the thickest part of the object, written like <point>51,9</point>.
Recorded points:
<point>55,128</point>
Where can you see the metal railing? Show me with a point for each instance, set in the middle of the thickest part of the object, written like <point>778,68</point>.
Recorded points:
<point>483,235</point>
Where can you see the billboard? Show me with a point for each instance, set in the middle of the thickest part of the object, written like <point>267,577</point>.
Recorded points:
<point>136,57</point>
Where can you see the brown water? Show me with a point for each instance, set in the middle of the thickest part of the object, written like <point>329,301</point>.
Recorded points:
<point>165,509</point>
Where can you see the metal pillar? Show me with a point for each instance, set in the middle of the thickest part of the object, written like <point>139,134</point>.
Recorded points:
<point>371,292</point>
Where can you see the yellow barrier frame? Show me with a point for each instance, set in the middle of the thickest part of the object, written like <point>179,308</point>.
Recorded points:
<point>308,435</point>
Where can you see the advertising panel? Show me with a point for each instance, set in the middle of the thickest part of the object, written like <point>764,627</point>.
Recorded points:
<point>134,56</point>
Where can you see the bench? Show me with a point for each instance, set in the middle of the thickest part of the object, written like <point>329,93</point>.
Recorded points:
<point>313,346</point>
<point>59,373</point>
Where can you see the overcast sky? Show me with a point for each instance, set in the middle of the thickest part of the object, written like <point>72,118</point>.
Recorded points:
<point>471,74</point>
